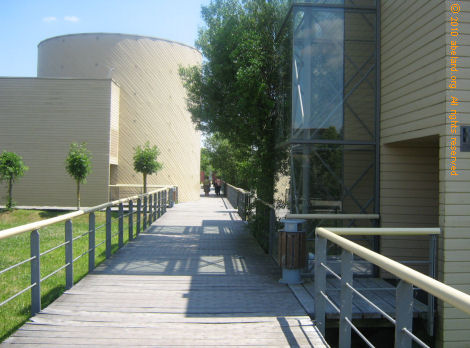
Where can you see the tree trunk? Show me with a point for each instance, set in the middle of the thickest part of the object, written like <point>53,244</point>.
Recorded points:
<point>78,195</point>
<point>145,183</point>
<point>10,193</point>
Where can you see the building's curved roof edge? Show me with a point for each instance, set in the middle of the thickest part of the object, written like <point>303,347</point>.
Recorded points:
<point>121,34</point>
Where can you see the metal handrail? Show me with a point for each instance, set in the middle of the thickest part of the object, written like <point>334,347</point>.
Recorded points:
<point>43,223</point>
<point>338,216</point>
<point>456,298</point>
<point>149,216</point>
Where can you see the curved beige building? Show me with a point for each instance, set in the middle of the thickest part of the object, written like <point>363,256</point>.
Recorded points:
<point>152,102</point>
<point>114,92</point>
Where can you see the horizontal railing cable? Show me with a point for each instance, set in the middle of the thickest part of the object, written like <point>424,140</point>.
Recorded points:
<point>80,256</point>
<point>17,265</point>
<point>388,317</point>
<point>55,272</point>
<point>17,294</point>
<point>330,270</point>
<point>359,333</point>
<point>81,236</point>
<point>54,248</point>
<point>330,301</point>
<point>97,245</point>
<point>100,226</point>
<point>414,338</point>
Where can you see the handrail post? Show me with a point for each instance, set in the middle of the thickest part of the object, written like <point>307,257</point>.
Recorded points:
<point>164,201</point>
<point>150,209</point>
<point>404,312</point>
<point>144,227</point>
<point>35,273</point>
<point>432,274</point>
<point>155,197</point>
<point>320,283</point>
<point>139,211</point>
<point>108,232</point>
<point>159,205</point>
<point>131,220</point>
<point>346,299</point>
<point>272,229</point>
<point>121,226</point>
<point>91,242</point>
<point>68,254</point>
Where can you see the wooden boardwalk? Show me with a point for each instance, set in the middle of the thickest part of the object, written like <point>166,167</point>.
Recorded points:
<point>195,278</point>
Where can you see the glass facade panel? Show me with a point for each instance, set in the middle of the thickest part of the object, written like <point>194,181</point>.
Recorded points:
<point>333,110</point>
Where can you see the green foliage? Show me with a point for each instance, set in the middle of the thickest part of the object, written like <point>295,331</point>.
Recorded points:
<point>234,93</point>
<point>206,161</point>
<point>145,161</point>
<point>11,168</point>
<point>234,163</point>
<point>78,162</point>
<point>78,165</point>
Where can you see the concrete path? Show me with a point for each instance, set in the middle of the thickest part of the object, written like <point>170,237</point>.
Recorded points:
<point>196,277</point>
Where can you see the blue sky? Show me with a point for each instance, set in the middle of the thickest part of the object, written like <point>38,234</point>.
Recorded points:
<point>24,23</point>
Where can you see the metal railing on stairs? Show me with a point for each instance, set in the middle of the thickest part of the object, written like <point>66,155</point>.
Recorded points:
<point>148,208</point>
<point>409,279</point>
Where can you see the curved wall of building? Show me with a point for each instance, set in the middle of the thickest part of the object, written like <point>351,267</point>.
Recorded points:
<point>152,103</point>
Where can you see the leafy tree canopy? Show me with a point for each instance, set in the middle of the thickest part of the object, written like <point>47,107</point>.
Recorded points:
<point>78,165</point>
<point>11,167</point>
<point>234,92</point>
<point>78,162</point>
<point>145,161</point>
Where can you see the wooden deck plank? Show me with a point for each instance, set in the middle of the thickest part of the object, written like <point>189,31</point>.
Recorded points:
<point>195,278</point>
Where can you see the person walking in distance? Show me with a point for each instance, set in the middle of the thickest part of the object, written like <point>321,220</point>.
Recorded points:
<point>218,185</point>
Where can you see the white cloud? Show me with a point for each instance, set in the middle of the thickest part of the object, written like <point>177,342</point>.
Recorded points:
<point>49,19</point>
<point>71,19</point>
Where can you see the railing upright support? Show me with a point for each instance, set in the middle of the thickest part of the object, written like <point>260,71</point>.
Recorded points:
<point>164,201</point>
<point>35,273</point>
<point>404,312</point>
<point>121,226</point>
<point>272,230</point>
<point>346,299</point>
<point>108,232</point>
<point>150,209</point>
<point>320,283</point>
<point>131,220</point>
<point>139,211</point>
<point>91,242</point>
<point>68,254</point>
<point>155,205</point>
<point>432,274</point>
<point>144,224</point>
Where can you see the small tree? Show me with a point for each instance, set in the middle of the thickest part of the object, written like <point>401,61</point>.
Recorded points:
<point>11,167</point>
<point>145,161</point>
<point>78,165</point>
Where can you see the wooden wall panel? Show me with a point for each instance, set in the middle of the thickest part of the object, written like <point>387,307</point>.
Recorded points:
<point>39,119</point>
<point>152,98</point>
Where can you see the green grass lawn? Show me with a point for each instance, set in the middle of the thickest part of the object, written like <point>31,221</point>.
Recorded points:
<point>17,248</point>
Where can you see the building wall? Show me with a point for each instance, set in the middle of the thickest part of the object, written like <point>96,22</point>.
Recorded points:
<point>415,105</point>
<point>152,99</point>
<point>413,75</point>
<point>39,120</point>
<point>454,197</point>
